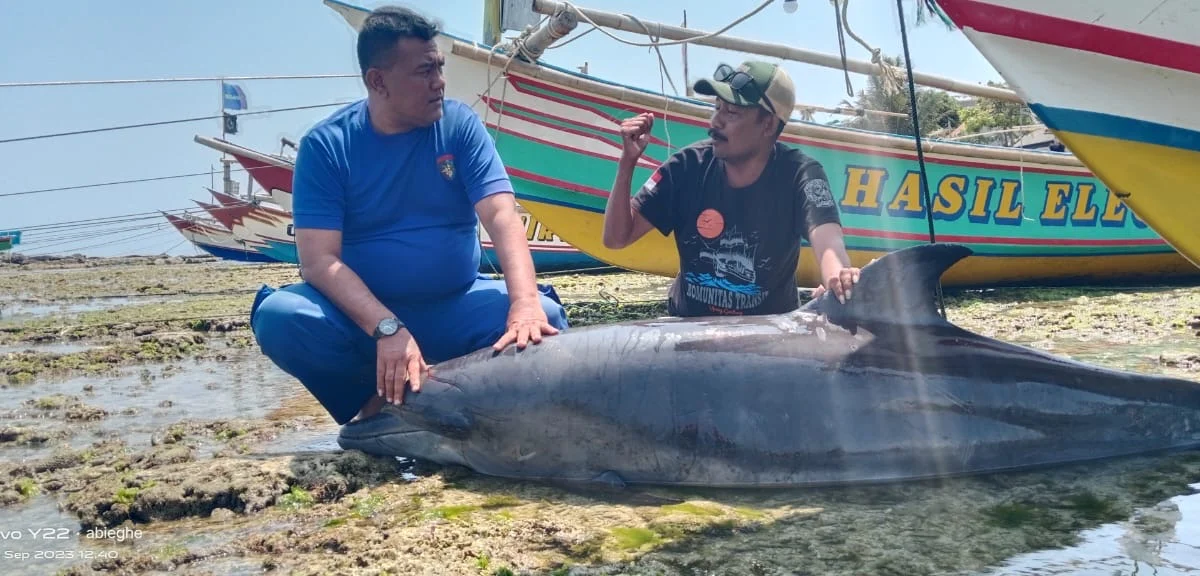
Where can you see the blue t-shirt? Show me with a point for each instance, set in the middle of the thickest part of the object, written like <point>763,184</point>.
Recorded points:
<point>405,203</point>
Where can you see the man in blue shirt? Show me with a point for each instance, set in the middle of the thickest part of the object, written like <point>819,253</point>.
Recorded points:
<point>387,194</point>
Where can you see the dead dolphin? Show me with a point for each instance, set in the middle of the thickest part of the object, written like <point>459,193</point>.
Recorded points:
<point>879,389</point>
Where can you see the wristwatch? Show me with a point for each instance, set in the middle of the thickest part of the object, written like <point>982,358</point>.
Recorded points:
<point>387,327</point>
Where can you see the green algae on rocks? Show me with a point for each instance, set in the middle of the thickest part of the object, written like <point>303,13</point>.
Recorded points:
<point>345,512</point>
<point>23,367</point>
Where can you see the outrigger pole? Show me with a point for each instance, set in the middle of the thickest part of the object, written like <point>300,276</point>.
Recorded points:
<point>660,30</point>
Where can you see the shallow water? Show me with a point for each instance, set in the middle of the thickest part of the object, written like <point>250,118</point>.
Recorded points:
<point>38,538</point>
<point>910,529</point>
<point>143,400</point>
<point>1139,358</point>
<point>1163,540</point>
<point>25,309</point>
<point>47,348</point>
<point>945,528</point>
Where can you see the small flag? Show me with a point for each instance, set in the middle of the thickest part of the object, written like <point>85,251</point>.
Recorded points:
<point>233,97</point>
<point>13,235</point>
<point>652,181</point>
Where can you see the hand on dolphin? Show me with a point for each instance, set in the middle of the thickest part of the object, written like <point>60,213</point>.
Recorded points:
<point>398,361</point>
<point>845,279</point>
<point>527,322</point>
<point>842,284</point>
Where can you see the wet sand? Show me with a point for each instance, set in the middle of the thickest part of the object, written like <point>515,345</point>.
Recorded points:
<point>141,431</point>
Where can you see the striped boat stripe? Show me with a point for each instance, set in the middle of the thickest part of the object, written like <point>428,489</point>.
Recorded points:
<point>1118,127</point>
<point>1055,31</point>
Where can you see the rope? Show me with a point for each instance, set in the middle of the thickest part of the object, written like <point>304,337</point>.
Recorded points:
<point>161,80</point>
<point>106,220</point>
<point>166,122</point>
<point>912,95</point>
<point>887,74</point>
<point>122,240</point>
<point>210,173</point>
<point>837,20</point>
<point>672,42</point>
<point>118,182</point>
<point>662,64</point>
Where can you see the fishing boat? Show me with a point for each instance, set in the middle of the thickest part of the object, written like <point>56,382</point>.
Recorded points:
<point>216,240</point>
<point>1030,216</point>
<point>266,228</point>
<point>1116,80</point>
<point>273,224</point>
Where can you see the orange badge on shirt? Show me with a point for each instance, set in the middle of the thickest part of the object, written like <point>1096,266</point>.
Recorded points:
<point>710,224</point>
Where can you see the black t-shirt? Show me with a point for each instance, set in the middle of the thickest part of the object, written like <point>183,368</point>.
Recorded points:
<point>738,247</point>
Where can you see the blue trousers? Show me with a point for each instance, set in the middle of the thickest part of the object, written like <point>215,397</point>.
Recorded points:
<point>310,338</point>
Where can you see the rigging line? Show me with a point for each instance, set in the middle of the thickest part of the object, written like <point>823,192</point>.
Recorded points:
<point>165,80</point>
<point>126,240</point>
<point>64,232</point>
<point>176,245</point>
<point>912,109</point>
<point>165,122</point>
<point>121,240</point>
<point>52,229</point>
<point>118,218</point>
<point>134,181</point>
<point>116,183</point>
<point>75,237</point>
<point>72,235</point>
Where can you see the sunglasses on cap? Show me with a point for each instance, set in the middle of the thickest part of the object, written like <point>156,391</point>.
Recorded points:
<point>743,84</point>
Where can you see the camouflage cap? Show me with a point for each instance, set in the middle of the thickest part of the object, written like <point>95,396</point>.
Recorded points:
<point>774,82</point>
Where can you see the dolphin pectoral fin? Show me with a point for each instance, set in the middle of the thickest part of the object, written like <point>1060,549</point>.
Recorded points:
<point>453,424</point>
<point>438,408</point>
<point>897,289</point>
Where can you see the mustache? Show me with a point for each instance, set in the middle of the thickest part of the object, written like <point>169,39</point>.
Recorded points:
<point>716,135</point>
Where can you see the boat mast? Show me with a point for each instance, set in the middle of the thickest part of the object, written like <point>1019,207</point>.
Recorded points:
<point>492,29</point>
<point>660,30</point>
<point>687,84</point>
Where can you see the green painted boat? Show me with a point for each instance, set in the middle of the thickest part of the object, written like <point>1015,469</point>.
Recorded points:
<point>1031,217</point>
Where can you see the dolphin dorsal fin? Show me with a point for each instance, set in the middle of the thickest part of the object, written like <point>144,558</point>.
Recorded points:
<point>897,289</point>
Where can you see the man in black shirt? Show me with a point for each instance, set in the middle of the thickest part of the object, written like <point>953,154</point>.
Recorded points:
<point>739,203</point>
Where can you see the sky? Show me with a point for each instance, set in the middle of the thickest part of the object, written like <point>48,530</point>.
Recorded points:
<point>71,40</point>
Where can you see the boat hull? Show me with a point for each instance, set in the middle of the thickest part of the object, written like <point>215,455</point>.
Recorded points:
<point>266,228</point>
<point>217,242</point>
<point>1116,81</point>
<point>1029,217</point>
<point>656,254</point>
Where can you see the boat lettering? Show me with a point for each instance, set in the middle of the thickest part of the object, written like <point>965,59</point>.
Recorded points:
<point>530,225</point>
<point>291,229</point>
<point>1085,212</point>
<point>871,190</point>
<point>535,231</point>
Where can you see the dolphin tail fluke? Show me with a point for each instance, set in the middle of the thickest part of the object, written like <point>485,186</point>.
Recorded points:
<point>898,289</point>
